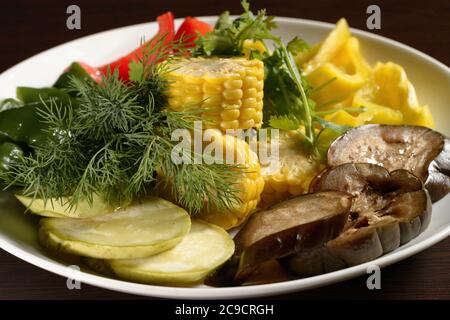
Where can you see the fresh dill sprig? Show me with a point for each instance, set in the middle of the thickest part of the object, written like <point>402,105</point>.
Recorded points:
<point>117,140</point>
<point>105,109</point>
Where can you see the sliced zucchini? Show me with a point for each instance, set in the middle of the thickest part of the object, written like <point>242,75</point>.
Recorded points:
<point>140,230</point>
<point>200,252</point>
<point>60,208</point>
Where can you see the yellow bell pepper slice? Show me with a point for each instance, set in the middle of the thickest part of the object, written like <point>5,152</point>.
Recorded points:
<point>350,59</point>
<point>343,86</point>
<point>389,86</point>
<point>332,45</point>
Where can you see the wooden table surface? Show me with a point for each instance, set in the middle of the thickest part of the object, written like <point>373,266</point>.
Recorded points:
<point>28,27</point>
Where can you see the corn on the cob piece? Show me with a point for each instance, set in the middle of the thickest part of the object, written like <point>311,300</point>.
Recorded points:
<point>249,183</point>
<point>230,89</point>
<point>293,174</point>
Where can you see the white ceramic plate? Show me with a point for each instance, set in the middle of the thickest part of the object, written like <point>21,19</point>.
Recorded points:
<point>18,231</point>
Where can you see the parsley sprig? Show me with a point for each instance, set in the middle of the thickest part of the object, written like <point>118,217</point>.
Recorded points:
<point>287,105</point>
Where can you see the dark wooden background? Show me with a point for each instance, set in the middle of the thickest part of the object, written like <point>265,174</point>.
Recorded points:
<point>28,27</point>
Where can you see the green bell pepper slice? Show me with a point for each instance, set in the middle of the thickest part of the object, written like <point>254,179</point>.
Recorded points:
<point>78,70</point>
<point>8,153</point>
<point>30,95</point>
<point>9,103</point>
<point>23,125</point>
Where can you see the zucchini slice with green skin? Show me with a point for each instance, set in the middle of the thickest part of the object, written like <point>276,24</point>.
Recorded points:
<point>201,251</point>
<point>140,230</point>
<point>60,208</point>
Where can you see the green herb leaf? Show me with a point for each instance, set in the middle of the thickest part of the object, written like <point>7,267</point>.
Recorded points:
<point>285,122</point>
<point>223,22</point>
<point>136,72</point>
<point>297,45</point>
<point>331,125</point>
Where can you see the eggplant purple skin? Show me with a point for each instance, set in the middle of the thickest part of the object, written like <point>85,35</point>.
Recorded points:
<point>404,215</point>
<point>438,181</point>
<point>286,242</point>
<point>421,150</point>
<point>304,222</point>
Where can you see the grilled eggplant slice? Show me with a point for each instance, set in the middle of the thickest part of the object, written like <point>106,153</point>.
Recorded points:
<point>304,222</point>
<point>389,209</point>
<point>424,152</point>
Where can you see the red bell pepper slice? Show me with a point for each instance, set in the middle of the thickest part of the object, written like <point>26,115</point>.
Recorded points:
<point>189,30</point>
<point>166,30</point>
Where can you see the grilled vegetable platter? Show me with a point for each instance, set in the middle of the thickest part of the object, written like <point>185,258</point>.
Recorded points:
<point>335,161</point>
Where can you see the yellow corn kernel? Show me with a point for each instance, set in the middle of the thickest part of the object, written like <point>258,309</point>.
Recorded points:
<point>247,124</point>
<point>259,95</point>
<point>250,82</point>
<point>232,124</point>
<point>233,84</point>
<point>249,103</point>
<point>258,74</point>
<point>227,105</point>
<point>258,117</point>
<point>259,105</point>
<point>219,83</point>
<point>251,93</point>
<point>260,85</point>
<point>248,113</point>
<point>230,114</point>
<point>233,94</point>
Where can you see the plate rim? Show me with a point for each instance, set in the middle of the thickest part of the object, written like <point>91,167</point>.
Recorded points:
<point>49,264</point>
<point>373,36</point>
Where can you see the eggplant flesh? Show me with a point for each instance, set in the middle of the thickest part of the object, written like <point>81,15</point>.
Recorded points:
<point>423,151</point>
<point>388,210</point>
<point>302,223</point>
